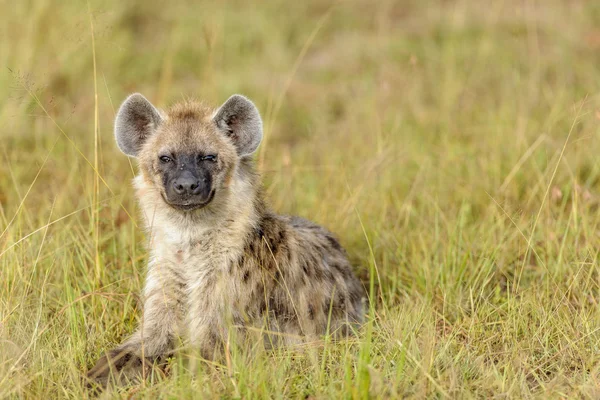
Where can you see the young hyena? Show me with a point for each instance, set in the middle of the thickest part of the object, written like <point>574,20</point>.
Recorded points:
<point>219,257</point>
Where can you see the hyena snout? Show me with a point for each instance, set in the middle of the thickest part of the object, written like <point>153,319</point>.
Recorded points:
<point>187,185</point>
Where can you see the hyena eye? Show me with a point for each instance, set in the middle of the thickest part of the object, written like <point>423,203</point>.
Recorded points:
<point>209,157</point>
<point>165,159</point>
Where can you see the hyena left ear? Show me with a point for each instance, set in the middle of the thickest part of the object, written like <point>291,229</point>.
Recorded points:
<point>137,119</point>
<point>239,119</point>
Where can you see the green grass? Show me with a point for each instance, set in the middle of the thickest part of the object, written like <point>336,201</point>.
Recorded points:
<point>452,146</point>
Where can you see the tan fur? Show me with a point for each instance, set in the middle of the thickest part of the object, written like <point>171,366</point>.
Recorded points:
<point>232,264</point>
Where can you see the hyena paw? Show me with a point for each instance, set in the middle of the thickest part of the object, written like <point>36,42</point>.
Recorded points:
<point>121,367</point>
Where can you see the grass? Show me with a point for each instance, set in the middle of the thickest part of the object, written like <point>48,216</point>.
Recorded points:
<point>452,146</point>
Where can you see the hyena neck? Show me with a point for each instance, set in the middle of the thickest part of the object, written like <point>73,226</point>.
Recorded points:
<point>234,214</point>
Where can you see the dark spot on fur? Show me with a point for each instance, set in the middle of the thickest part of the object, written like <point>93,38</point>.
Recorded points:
<point>355,295</point>
<point>345,272</point>
<point>334,243</point>
<point>305,268</point>
<point>260,289</point>
<point>259,232</point>
<point>262,306</point>
<point>327,306</point>
<point>274,247</point>
<point>311,312</point>
<point>246,276</point>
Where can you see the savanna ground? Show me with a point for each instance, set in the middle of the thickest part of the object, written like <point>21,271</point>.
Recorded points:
<point>452,146</point>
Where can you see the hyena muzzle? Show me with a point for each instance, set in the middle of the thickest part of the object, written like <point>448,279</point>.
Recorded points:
<point>221,262</point>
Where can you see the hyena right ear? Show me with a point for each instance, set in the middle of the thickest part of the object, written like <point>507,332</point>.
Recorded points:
<point>137,119</point>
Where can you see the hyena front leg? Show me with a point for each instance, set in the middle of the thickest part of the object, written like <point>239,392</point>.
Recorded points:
<point>209,298</point>
<point>156,335</point>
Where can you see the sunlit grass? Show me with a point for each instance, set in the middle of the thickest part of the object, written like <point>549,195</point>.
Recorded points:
<point>452,148</point>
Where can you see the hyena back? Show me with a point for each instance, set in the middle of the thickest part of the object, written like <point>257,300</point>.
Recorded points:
<point>219,257</point>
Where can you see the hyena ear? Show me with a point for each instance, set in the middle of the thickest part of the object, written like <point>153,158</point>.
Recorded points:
<point>239,119</point>
<point>136,121</point>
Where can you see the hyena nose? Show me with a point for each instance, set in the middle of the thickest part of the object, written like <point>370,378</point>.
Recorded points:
<point>186,186</point>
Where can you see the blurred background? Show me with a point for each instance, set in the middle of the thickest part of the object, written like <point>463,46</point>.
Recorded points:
<point>451,145</point>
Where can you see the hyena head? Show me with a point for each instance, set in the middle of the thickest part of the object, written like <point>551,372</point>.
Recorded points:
<point>188,154</point>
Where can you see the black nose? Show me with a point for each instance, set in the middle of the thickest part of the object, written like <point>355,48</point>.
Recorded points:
<point>186,185</point>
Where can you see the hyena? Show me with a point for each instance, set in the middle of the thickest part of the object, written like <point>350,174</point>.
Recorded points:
<point>219,257</point>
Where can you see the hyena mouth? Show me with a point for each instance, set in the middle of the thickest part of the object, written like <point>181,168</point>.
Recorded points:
<point>190,206</point>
